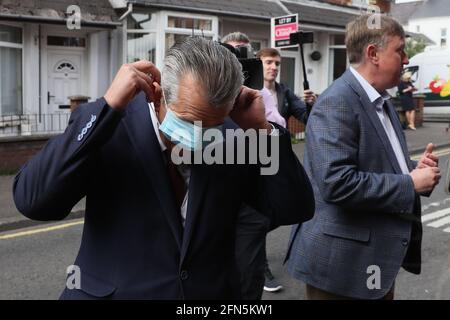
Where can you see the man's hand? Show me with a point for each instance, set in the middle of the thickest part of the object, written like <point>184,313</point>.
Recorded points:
<point>428,159</point>
<point>130,80</point>
<point>309,97</point>
<point>425,179</point>
<point>249,110</point>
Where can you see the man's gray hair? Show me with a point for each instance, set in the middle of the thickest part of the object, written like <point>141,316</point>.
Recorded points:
<point>236,36</point>
<point>214,67</point>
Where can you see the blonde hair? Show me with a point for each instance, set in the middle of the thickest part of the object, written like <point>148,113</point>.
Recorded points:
<point>359,35</point>
<point>406,76</point>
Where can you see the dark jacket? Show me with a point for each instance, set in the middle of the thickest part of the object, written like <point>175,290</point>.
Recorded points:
<point>291,105</point>
<point>133,243</point>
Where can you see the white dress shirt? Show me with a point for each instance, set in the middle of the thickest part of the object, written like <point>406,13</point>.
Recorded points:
<point>184,170</point>
<point>378,101</point>
<point>271,103</point>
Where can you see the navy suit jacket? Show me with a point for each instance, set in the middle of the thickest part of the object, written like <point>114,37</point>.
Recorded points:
<point>133,243</point>
<point>367,212</point>
<point>291,105</point>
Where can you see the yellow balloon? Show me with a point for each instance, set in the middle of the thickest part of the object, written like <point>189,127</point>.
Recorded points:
<point>446,90</point>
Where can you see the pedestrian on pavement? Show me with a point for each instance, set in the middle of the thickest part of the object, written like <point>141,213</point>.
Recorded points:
<point>252,226</point>
<point>367,223</point>
<point>405,90</point>
<point>281,103</point>
<point>153,229</point>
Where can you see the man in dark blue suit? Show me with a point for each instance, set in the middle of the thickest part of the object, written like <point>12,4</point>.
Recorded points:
<point>153,229</point>
<point>367,223</point>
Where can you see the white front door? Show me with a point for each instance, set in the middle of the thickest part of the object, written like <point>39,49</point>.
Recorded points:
<point>64,79</point>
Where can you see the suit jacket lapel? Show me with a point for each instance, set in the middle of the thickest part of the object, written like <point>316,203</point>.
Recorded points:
<point>198,185</point>
<point>370,110</point>
<point>280,97</point>
<point>142,135</point>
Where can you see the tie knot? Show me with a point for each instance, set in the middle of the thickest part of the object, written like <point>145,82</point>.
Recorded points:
<point>382,105</point>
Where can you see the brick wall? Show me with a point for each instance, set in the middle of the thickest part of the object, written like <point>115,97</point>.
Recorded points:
<point>14,152</point>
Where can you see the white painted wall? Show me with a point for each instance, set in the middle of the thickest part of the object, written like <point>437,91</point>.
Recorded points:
<point>318,79</point>
<point>431,27</point>
<point>99,63</point>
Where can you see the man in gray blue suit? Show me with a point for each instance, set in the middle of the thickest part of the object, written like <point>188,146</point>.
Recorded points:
<point>367,223</point>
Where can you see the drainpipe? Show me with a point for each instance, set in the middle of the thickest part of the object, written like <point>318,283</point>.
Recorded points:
<point>127,13</point>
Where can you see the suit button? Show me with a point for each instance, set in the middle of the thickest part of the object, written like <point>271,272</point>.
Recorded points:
<point>405,242</point>
<point>184,275</point>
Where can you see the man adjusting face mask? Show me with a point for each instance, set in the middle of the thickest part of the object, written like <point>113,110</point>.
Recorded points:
<point>189,135</point>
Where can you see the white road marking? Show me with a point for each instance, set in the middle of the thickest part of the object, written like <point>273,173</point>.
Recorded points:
<point>435,215</point>
<point>439,223</point>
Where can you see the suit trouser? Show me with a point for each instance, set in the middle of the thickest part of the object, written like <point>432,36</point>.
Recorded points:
<point>313,293</point>
<point>251,231</point>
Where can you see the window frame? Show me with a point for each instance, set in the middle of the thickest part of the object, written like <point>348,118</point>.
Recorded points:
<point>155,32</point>
<point>5,44</point>
<point>213,33</point>
<point>331,52</point>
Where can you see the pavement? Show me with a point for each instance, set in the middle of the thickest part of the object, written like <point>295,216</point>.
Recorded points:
<point>11,219</point>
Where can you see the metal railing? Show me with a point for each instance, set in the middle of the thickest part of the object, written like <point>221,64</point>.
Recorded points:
<point>33,124</point>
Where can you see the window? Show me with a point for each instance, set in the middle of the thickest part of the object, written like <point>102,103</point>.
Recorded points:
<point>189,23</point>
<point>142,21</point>
<point>179,27</point>
<point>149,34</point>
<point>418,29</point>
<point>338,63</point>
<point>338,57</point>
<point>258,45</point>
<point>337,40</point>
<point>65,66</point>
<point>10,70</point>
<point>10,34</point>
<point>66,41</point>
<point>141,46</point>
<point>141,37</point>
<point>173,38</point>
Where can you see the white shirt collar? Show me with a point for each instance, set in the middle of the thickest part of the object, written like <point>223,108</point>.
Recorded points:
<point>156,126</point>
<point>372,93</point>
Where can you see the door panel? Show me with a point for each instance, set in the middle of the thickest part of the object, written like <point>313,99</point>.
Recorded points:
<point>64,79</point>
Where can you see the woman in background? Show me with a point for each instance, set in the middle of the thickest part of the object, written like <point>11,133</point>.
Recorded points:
<point>405,90</point>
